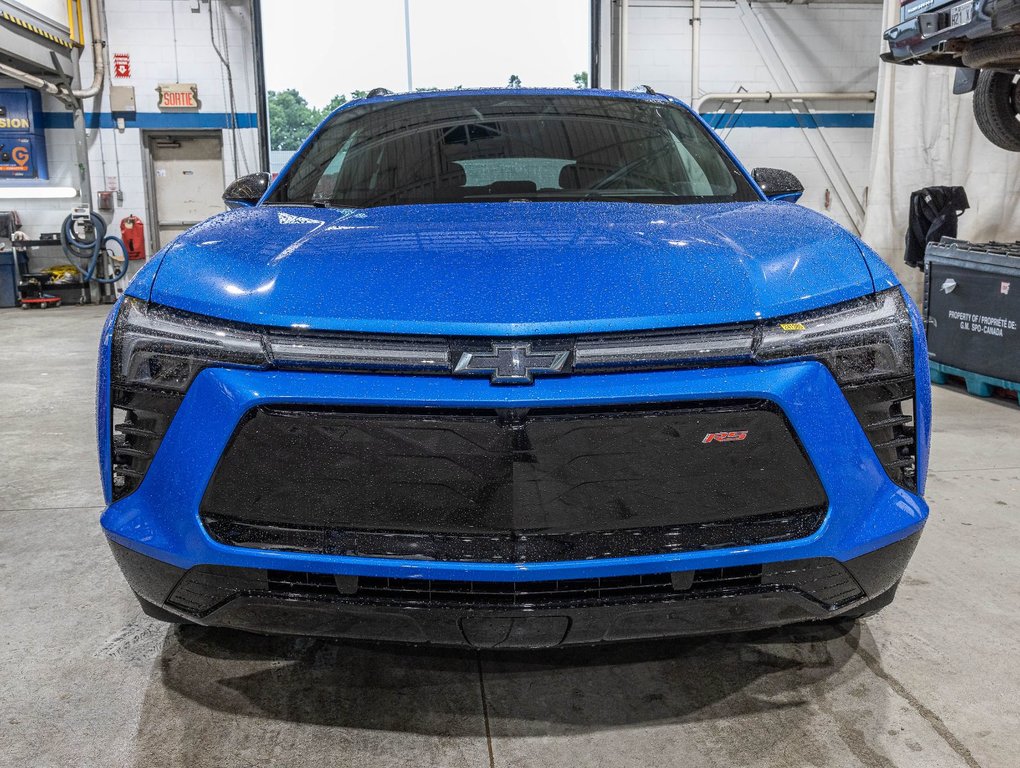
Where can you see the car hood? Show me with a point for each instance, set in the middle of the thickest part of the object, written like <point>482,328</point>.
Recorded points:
<point>511,268</point>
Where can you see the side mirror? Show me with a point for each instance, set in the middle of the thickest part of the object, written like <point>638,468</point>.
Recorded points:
<point>778,184</point>
<point>247,190</point>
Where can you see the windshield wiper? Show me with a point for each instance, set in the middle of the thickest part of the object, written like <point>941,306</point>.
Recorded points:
<point>620,172</point>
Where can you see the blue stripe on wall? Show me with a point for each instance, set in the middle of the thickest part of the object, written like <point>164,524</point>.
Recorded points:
<point>219,120</point>
<point>725,120</point>
<point>154,120</point>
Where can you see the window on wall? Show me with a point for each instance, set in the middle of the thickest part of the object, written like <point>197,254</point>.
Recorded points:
<point>332,52</point>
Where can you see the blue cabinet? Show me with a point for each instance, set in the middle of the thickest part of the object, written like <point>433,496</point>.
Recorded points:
<point>22,141</point>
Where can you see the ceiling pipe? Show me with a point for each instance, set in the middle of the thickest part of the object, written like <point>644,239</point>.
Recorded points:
<point>767,96</point>
<point>31,80</point>
<point>98,59</point>
<point>72,97</point>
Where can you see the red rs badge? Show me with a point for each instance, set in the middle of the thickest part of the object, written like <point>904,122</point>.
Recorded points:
<point>725,437</point>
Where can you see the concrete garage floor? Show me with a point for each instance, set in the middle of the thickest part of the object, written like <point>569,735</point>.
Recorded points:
<point>87,680</point>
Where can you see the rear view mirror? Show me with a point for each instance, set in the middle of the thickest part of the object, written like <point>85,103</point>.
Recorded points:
<point>247,190</point>
<point>778,184</point>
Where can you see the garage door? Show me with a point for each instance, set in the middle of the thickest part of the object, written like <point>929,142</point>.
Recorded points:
<point>187,177</point>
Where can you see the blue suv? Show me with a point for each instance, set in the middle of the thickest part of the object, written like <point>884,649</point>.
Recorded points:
<point>513,369</point>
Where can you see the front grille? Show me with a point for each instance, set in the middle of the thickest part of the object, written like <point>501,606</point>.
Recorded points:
<point>520,594</point>
<point>513,485</point>
<point>885,411</point>
<point>823,580</point>
<point>140,418</point>
<point>518,547</point>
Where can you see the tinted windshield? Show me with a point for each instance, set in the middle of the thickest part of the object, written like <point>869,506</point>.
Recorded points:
<point>512,147</point>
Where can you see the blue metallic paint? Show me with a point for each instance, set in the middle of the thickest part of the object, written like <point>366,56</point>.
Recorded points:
<point>867,510</point>
<point>103,425</point>
<point>505,269</point>
<point>787,197</point>
<point>141,285</point>
<point>495,269</point>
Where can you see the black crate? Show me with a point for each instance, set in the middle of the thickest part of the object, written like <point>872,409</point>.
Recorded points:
<point>972,307</point>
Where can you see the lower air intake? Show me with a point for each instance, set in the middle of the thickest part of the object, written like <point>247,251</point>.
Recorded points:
<point>825,581</point>
<point>140,419</point>
<point>885,411</point>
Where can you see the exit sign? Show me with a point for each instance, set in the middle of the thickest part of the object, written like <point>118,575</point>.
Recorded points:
<point>178,96</point>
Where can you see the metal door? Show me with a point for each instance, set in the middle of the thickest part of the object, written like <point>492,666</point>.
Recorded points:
<point>187,181</point>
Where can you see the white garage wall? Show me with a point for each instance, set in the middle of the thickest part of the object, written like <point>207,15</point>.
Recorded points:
<point>821,47</point>
<point>168,43</point>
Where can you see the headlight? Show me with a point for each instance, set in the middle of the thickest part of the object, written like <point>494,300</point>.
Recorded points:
<point>156,347</point>
<point>866,343</point>
<point>161,348</point>
<point>860,340</point>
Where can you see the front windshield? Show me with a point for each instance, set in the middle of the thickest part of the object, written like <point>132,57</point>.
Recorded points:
<point>491,148</point>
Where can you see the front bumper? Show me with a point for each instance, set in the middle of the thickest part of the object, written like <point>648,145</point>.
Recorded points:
<point>743,599</point>
<point>160,521</point>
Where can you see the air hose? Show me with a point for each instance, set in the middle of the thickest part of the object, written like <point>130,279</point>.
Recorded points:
<point>89,251</point>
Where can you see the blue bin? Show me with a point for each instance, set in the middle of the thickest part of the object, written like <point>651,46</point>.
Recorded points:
<point>8,281</point>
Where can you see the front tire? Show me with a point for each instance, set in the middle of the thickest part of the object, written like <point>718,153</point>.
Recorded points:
<point>997,108</point>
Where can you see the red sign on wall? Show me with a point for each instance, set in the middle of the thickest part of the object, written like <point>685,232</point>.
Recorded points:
<point>122,65</point>
<point>178,96</point>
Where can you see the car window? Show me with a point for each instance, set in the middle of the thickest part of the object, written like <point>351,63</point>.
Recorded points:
<point>326,186</point>
<point>476,148</point>
<point>543,172</point>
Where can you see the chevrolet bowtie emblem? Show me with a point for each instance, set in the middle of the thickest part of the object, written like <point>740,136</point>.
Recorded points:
<point>511,363</point>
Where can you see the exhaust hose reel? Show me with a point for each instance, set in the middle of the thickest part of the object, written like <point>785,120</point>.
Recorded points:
<point>80,250</point>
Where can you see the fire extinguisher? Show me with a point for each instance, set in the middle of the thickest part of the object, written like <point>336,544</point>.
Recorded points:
<point>132,232</point>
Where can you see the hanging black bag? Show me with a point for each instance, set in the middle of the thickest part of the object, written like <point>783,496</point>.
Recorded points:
<point>933,215</point>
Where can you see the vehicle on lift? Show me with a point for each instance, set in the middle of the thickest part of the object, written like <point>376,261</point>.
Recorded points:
<point>513,369</point>
<point>982,39</point>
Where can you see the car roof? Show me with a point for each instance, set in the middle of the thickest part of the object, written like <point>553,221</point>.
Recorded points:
<point>635,95</point>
